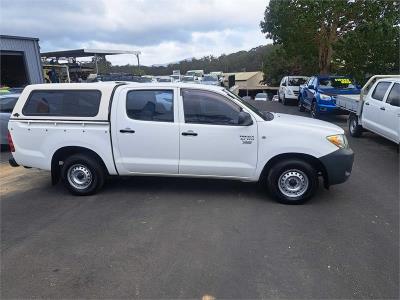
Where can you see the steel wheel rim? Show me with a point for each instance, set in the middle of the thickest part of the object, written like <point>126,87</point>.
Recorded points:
<point>353,125</point>
<point>293,183</point>
<point>79,176</point>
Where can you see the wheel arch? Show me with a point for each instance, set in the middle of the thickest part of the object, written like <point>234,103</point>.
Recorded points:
<point>312,160</point>
<point>62,153</point>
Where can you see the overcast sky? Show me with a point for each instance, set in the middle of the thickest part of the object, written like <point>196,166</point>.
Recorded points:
<point>163,30</point>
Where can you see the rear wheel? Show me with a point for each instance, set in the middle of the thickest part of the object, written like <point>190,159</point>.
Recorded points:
<point>82,175</point>
<point>292,181</point>
<point>355,128</point>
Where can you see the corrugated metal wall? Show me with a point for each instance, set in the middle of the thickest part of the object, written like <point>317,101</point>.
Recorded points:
<point>30,48</point>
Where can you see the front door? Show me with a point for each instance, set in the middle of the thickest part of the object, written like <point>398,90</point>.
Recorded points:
<point>147,136</point>
<point>374,110</point>
<point>211,141</point>
<point>392,109</point>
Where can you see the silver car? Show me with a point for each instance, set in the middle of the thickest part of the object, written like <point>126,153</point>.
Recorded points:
<point>7,103</point>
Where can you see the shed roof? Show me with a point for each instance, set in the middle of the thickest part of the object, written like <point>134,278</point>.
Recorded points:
<point>85,53</point>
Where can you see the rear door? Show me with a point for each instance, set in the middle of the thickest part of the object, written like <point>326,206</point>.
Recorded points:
<point>145,131</point>
<point>374,110</point>
<point>211,141</point>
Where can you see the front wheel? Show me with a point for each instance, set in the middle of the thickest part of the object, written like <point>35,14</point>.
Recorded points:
<point>284,101</point>
<point>292,181</point>
<point>300,105</point>
<point>314,111</point>
<point>355,128</point>
<point>82,175</point>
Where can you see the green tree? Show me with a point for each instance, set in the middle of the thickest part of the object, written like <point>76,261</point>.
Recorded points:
<point>322,31</point>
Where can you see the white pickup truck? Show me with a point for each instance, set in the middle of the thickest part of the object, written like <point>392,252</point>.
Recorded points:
<point>376,109</point>
<point>83,132</point>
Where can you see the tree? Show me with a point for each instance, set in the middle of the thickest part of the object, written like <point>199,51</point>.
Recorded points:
<point>314,30</point>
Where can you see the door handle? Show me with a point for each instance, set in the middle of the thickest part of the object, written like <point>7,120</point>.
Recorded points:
<point>366,103</point>
<point>382,108</point>
<point>189,133</point>
<point>127,130</point>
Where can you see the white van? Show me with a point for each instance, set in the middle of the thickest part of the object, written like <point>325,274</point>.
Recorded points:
<point>289,88</point>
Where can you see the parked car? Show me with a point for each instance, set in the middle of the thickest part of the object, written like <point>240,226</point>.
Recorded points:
<point>190,79</point>
<point>261,97</point>
<point>176,77</point>
<point>164,79</point>
<point>319,94</point>
<point>210,80</point>
<point>289,88</point>
<point>376,109</point>
<point>247,98</point>
<point>7,103</point>
<point>84,132</point>
<point>275,98</point>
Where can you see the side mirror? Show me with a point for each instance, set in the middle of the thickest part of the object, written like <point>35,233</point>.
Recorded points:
<point>311,87</point>
<point>245,119</point>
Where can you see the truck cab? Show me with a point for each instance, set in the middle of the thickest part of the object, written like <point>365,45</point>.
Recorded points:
<point>379,111</point>
<point>319,94</point>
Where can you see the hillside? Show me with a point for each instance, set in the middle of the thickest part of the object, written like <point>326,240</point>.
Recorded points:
<point>251,60</point>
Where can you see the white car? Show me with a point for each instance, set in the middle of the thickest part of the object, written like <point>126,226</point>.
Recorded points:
<point>261,97</point>
<point>7,102</point>
<point>289,88</point>
<point>84,132</point>
<point>376,109</point>
<point>275,98</point>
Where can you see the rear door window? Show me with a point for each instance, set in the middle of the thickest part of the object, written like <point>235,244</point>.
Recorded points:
<point>380,90</point>
<point>63,103</point>
<point>150,105</point>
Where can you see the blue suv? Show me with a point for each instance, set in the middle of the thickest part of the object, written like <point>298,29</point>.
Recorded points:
<point>318,95</point>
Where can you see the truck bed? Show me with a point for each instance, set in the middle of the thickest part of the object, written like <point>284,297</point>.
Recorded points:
<point>348,102</point>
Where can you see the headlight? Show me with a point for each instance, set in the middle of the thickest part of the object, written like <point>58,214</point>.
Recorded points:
<point>325,97</point>
<point>338,140</point>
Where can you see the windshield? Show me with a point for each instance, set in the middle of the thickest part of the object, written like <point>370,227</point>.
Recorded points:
<point>191,73</point>
<point>248,105</point>
<point>163,80</point>
<point>210,78</point>
<point>296,81</point>
<point>336,83</point>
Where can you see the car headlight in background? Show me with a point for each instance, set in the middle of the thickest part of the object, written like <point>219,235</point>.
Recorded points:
<point>338,140</point>
<point>325,97</point>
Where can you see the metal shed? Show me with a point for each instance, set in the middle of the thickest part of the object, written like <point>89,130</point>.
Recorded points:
<point>20,61</point>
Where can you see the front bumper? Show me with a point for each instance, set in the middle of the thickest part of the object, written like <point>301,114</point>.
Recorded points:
<point>338,165</point>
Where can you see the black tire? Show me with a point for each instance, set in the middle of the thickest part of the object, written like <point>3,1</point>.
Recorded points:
<point>297,169</point>
<point>355,128</point>
<point>284,101</point>
<point>313,110</point>
<point>87,167</point>
<point>300,105</point>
